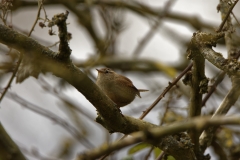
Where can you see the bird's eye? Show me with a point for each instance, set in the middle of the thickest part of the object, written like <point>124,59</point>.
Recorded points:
<point>108,70</point>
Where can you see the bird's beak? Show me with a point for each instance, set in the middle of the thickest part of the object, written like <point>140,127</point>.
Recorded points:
<point>99,70</point>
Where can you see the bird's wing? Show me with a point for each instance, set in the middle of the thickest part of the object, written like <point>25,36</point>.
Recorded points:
<point>128,82</point>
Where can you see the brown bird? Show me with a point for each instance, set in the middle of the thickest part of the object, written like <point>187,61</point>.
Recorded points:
<point>117,87</point>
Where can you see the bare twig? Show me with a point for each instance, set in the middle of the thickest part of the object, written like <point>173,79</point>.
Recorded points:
<point>151,32</point>
<point>171,84</point>
<point>12,77</point>
<point>133,6</point>
<point>235,18</point>
<point>161,155</point>
<point>229,100</point>
<point>214,86</point>
<point>154,134</point>
<point>47,87</point>
<point>233,94</point>
<point>34,152</point>
<point>149,153</point>
<point>40,4</point>
<point>20,57</point>
<point>226,17</point>
<point>73,131</point>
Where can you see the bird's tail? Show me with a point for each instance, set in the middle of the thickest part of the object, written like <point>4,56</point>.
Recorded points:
<point>143,90</point>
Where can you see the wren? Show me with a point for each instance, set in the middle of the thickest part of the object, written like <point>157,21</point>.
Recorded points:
<point>117,87</point>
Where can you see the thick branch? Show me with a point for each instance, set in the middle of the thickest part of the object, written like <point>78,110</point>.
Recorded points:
<point>233,94</point>
<point>198,85</point>
<point>230,99</point>
<point>204,41</point>
<point>47,59</point>
<point>8,149</point>
<point>155,134</point>
<point>109,115</point>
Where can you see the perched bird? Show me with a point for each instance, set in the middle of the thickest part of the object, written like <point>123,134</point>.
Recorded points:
<point>117,87</point>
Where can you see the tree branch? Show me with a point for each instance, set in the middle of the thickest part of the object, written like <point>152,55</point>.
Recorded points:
<point>233,94</point>
<point>8,149</point>
<point>156,134</point>
<point>199,86</point>
<point>109,115</point>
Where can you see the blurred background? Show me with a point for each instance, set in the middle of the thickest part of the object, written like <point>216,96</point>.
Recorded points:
<point>45,116</point>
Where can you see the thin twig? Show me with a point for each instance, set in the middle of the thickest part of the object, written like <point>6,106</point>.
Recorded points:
<point>235,18</point>
<point>166,110</point>
<point>45,13</point>
<point>171,84</point>
<point>34,152</point>
<point>151,32</point>
<point>213,87</point>
<point>149,153</point>
<point>233,94</point>
<point>20,58</point>
<point>198,123</point>
<point>227,15</point>
<point>48,88</point>
<point>216,83</point>
<point>58,120</point>
<point>161,155</point>
<point>12,77</point>
<point>55,44</point>
<point>222,74</point>
<point>37,18</point>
